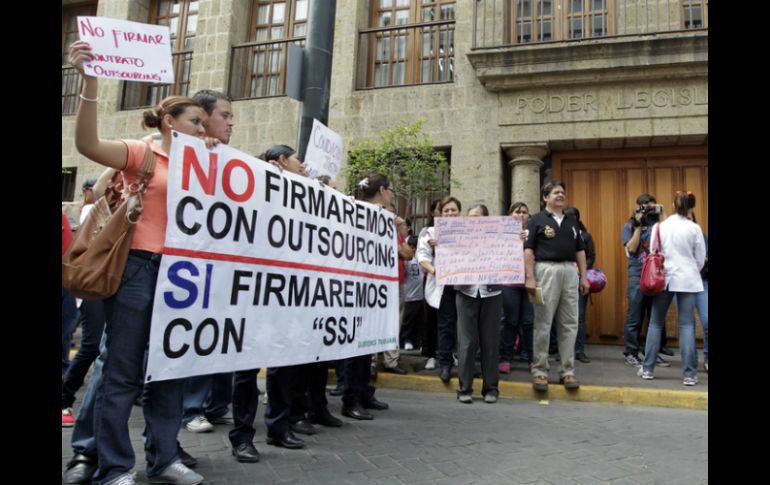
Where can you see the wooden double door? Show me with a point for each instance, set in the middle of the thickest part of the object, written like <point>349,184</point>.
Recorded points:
<point>604,185</point>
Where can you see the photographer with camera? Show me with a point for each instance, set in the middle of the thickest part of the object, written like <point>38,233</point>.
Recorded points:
<point>635,234</point>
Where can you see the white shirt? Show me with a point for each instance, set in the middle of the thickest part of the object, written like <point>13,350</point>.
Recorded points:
<point>433,290</point>
<point>685,253</point>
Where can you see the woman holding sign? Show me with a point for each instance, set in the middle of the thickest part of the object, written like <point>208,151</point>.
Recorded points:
<point>438,296</point>
<point>478,319</point>
<point>129,311</point>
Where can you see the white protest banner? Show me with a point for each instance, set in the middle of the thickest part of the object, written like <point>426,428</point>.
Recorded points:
<point>129,51</point>
<point>324,152</point>
<point>263,268</point>
<point>479,251</point>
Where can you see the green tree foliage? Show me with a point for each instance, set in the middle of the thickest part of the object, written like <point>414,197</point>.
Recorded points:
<point>407,156</point>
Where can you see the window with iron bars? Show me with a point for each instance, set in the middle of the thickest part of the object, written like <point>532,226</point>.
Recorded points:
<point>408,42</point>
<point>71,81</point>
<point>534,21</point>
<point>258,68</point>
<point>181,17</point>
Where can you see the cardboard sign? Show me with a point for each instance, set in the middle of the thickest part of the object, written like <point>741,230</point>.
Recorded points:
<point>324,152</point>
<point>263,268</point>
<point>479,251</point>
<point>128,51</point>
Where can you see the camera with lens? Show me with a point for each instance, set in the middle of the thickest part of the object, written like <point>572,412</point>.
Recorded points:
<point>651,214</point>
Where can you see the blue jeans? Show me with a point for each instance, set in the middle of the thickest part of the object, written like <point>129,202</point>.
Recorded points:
<point>634,317</point>
<point>686,307</point>
<point>92,328</point>
<point>518,320</point>
<point>69,318</point>
<point>580,340</point>
<point>702,304</point>
<point>83,441</point>
<point>208,396</point>
<point>128,330</point>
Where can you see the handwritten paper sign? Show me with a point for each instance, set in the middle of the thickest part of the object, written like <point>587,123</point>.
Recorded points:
<point>324,152</point>
<point>129,51</point>
<point>266,269</point>
<point>479,251</point>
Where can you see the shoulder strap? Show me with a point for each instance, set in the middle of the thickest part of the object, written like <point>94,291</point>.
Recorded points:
<point>147,169</point>
<point>659,245</point>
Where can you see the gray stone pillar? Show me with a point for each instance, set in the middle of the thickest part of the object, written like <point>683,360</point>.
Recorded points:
<point>526,159</point>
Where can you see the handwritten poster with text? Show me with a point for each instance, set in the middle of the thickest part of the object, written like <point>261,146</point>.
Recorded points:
<point>128,51</point>
<point>479,251</point>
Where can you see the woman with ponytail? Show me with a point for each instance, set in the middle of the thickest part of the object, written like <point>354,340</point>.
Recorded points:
<point>129,311</point>
<point>682,246</point>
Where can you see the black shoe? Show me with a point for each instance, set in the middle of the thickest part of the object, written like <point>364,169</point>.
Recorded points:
<point>337,391</point>
<point>187,460</point>
<point>395,370</point>
<point>286,439</point>
<point>373,403</point>
<point>582,358</point>
<point>80,469</point>
<point>356,412</point>
<point>445,374</point>
<point>324,418</point>
<point>666,351</point>
<point>246,453</point>
<point>303,427</point>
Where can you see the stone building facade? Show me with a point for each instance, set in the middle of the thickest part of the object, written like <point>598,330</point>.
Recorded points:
<point>609,95</point>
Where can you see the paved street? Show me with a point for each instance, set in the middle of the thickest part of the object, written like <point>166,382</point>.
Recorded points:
<point>432,438</point>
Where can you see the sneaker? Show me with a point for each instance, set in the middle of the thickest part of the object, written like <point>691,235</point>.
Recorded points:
<point>504,367</point>
<point>465,398</point>
<point>408,346</point>
<point>431,364</point>
<point>125,479</point>
<point>490,398</point>
<point>199,424</point>
<point>645,374</point>
<point>661,362</point>
<point>67,420</point>
<point>633,360</point>
<point>690,381</point>
<point>177,474</point>
<point>666,351</point>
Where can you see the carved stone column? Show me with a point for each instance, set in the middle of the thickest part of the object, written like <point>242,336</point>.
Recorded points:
<point>526,159</point>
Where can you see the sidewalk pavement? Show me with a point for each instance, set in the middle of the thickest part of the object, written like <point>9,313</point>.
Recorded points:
<point>606,379</point>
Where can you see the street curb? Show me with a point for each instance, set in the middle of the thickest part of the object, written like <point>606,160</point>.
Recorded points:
<point>523,390</point>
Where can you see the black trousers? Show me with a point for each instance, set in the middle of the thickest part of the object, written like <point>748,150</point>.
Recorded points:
<point>357,374</point>
<point>308,390</point>
<point>245,403</point>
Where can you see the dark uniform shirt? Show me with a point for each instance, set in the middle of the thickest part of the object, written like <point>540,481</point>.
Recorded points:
<point>564,244</point>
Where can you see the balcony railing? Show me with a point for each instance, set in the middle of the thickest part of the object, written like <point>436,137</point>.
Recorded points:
<point>71,83</point>
<point>501,23</point>
<point>406,55</point>
<point>142,95</point>
<point>258,69</point>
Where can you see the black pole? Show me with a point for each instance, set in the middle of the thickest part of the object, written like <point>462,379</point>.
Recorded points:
<point>316,69</point>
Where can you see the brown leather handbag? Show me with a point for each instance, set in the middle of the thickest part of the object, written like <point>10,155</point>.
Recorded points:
<point>93,265</point>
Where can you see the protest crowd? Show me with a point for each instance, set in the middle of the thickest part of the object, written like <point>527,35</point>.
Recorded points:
<point>451,325</point>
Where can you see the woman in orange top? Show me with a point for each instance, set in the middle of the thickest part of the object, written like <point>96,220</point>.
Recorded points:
<point>129,311</point>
